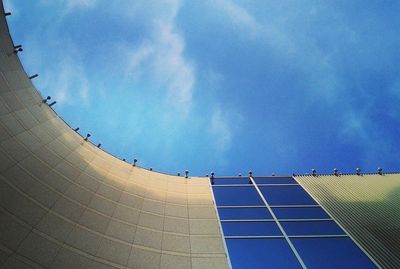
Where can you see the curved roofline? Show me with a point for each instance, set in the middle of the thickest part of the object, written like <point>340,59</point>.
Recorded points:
<point>138,166</point>
<point>68,125</point>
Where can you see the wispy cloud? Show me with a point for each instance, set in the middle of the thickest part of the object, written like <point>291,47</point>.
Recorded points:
<point>239,16</point>
<point>374,136</point>
<point>137,57</point>
<point>245,22</point>
<point>354,126</point>
<point>283,66</point>
<point>172,65</point>
<point>70,4</point>
<point>69,83</point>
<point>221,129</point>
<point>161,54</point>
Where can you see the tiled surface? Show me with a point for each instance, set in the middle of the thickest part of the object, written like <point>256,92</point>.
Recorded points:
<point>66,204</point>
<point>142,259</point>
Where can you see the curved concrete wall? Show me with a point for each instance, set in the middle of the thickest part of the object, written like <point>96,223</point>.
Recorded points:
<point>66,204</point>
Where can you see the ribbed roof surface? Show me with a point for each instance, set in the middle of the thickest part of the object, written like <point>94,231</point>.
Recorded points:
<point>367,206</point>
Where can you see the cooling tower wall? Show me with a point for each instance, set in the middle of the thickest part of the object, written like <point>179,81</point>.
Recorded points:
<point>64,203</point>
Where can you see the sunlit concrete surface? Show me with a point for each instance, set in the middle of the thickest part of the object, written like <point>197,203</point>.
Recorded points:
<point>367,206</point>
<point>64,203</point>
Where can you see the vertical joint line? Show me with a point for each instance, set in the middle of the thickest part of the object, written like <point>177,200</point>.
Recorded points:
<point>279,225</point>
<point>220,224</point>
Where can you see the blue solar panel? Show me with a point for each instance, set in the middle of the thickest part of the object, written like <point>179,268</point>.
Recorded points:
<point>244,213</point>
<point>261,254</point>
<point>300,213</point>
<point>331,253</point>
<point>286,195</point>
<point>231,181</point>
<point>236,196</point>
<point>274,180</point>
<point>311,228</point>
<point>254,253</point>
<point>250,228</point>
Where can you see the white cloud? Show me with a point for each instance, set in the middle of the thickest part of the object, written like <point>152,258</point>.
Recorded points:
<point>80,3</point>
<point>354,126</point>
<point>162,55</point>
<point>372,141</point>
<point>138,56</point>
<point>248,24</point>
<point>221,130</point>
<point>65,79</point>
<point>239,16</point>
<point>170,63</point>
<point>69,83</point>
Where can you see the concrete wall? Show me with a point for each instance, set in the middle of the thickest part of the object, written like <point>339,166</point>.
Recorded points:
<point>367,206</point>
<point>64,203</point>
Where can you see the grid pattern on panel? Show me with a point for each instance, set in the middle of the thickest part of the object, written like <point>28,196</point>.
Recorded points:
<point>274,221</point>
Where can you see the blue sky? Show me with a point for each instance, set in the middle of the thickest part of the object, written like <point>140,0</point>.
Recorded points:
<point>225,86</point>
